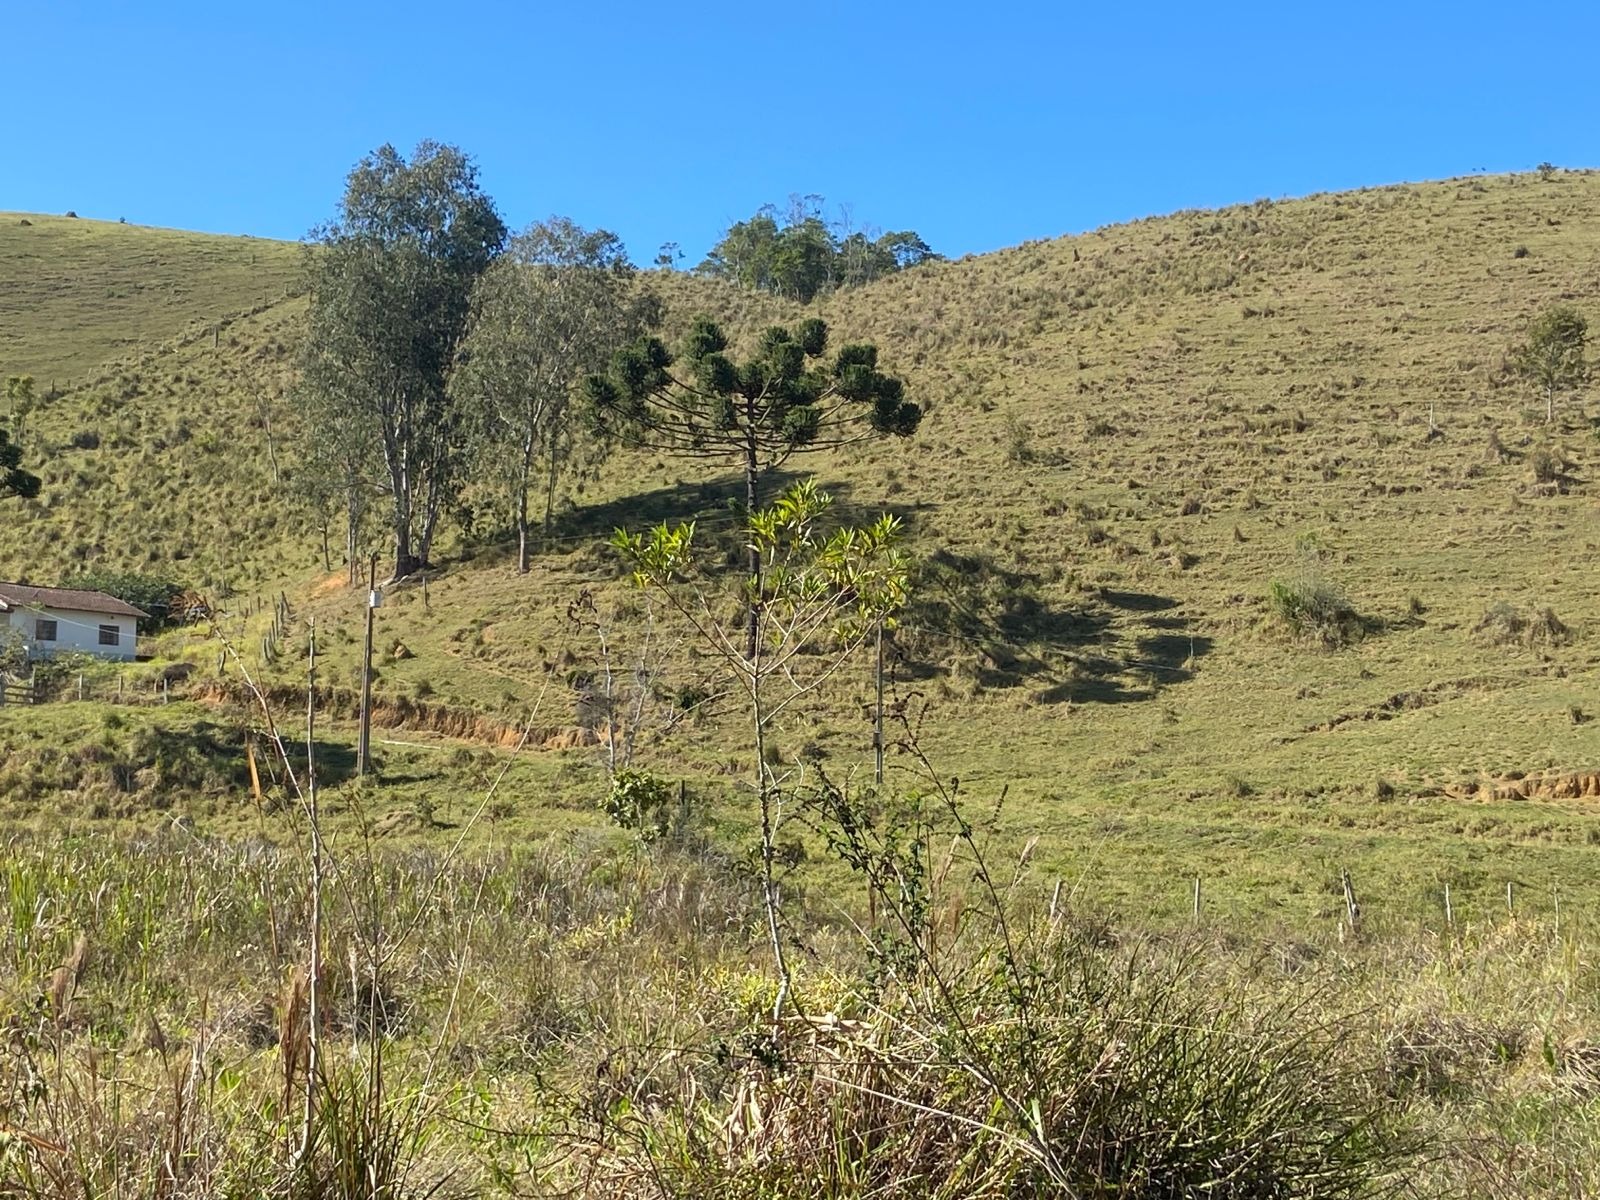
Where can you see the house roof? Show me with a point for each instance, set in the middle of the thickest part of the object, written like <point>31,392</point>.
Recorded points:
<point>25,595</point>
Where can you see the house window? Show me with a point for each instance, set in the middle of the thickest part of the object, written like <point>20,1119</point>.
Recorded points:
<point>44,630</point>
<point>110,635</point>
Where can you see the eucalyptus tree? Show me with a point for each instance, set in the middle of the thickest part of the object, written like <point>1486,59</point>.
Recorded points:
<point>786,398</point>
<point>390,282</point>
<point>550,311</point>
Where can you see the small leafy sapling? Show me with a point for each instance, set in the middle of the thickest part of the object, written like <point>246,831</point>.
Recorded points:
<point>21,398</point>
<point>815,599</point>
<point>1552,357</point>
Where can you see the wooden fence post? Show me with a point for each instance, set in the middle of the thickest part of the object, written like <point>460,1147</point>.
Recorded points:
<point>1351,907</point>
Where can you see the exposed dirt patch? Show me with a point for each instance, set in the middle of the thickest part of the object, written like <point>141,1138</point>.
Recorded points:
<point>1546,785</point>
<point>1410,701</point>
<point>399,712</point>
<point>571,738</point>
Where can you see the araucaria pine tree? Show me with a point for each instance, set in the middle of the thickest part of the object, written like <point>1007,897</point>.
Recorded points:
<point>787,397</point>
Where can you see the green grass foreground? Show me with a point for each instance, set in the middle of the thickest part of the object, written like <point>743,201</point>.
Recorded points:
<point>589,1017</point>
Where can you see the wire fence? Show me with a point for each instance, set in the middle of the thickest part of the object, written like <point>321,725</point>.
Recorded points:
<point>100,683</point>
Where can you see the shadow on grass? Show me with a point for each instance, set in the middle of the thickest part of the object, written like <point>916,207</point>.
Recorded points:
<point>715,505</point>
<point>994,621</point>
<point>335,761</point>
<point>1141,602</point>
<point>717,502</point>
<point>209,758</point>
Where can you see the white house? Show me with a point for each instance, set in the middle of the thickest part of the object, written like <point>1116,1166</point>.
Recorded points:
<point>54,621</point>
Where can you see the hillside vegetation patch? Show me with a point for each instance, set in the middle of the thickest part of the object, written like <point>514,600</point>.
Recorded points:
<point>1505,624</point>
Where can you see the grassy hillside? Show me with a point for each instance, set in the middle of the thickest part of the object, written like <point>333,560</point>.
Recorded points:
<point>162,463</point>
<point>1131,434</point>
<point>79,294</point>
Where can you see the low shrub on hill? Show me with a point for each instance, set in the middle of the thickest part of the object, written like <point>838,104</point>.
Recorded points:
<point>1311,606</point>
<point>1549,464</point>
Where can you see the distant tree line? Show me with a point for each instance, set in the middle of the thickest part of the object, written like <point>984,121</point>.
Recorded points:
<point>798,255</point>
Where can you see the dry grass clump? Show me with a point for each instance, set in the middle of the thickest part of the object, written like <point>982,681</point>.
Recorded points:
<point>1505,624</point>
<point>1549,465</point>
<point>1103,1073</point>
<point>1444,1055</point>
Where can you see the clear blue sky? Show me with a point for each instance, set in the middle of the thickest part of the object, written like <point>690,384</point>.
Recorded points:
<point>979,125</point>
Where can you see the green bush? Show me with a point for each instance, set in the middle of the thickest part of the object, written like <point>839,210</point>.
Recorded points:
<point>1310,606</point>
<point>641,802</point>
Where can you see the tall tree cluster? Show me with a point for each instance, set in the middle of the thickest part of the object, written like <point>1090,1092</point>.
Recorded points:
<point>548,312</point>
<point>391,281</point>
<point>442,357</point>
<point>448,363</point>
<point>799,255</point>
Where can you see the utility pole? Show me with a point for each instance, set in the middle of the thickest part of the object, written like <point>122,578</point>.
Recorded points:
<point>364,745</point>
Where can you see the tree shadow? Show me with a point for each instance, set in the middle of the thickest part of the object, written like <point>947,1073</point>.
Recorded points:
<point>210,757</point>
<point>714,504</point>
<point>335,761</point>
<point>1142,602</point>
<point>972,617</point>
<point>411,778</point>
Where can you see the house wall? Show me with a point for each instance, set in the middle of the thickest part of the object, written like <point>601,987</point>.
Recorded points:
<point>76,632</point>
